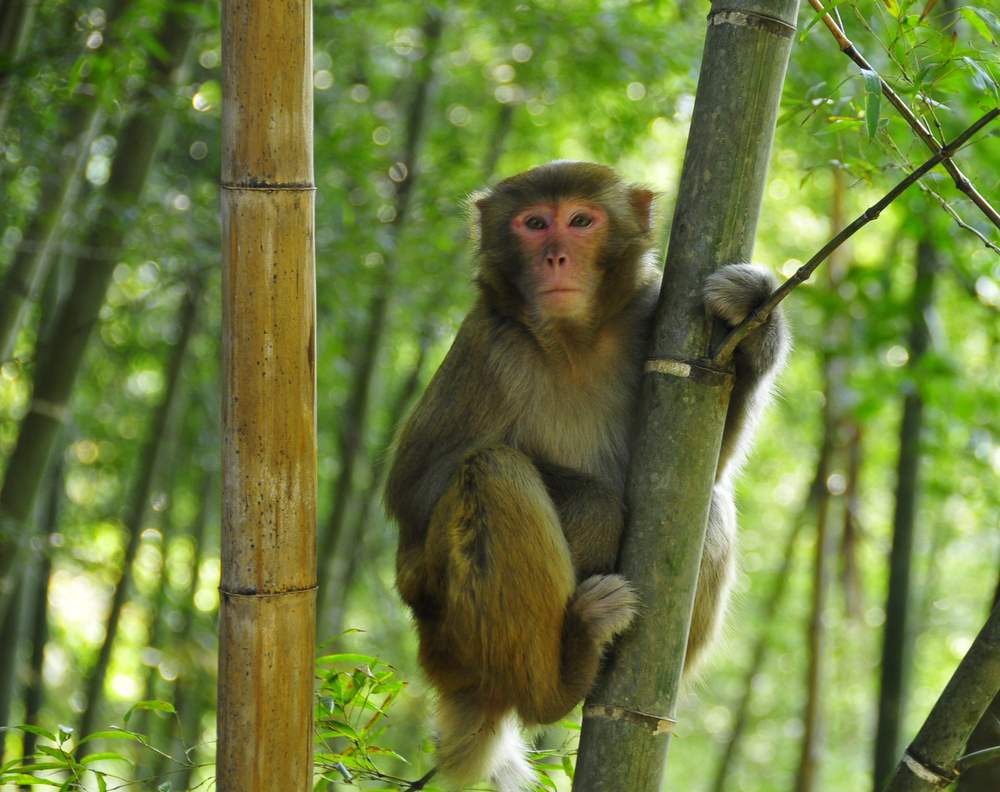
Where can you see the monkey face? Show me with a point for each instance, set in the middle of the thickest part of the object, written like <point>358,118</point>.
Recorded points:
<point>562,246</point>
<point>561,242</point>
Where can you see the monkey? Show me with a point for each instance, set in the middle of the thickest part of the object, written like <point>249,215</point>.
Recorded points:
<point>508,478</point>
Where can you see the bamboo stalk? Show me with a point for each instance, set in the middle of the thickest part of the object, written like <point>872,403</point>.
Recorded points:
<point>349,547</point>
<point>38,595</point>
<point>810,755</point>
<point>354,421</point>
<point>628,717</point>
<point>896,643</point>
<point>138,501</point>
<point>930,761</point>
<point>268,587</point>
<point>59,190</point>
<point>16,20</point>
<point>184,695</point>
<point>58,367</point>
<point>768,617</point>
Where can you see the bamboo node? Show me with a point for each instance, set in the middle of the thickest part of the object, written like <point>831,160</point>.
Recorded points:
<point>769,24</point>
<point>931,775</point>
<point>263,186</point>
<point>292,592</point>
<point>699,371</point>
<point>676,368</point>
<point>654,724</point>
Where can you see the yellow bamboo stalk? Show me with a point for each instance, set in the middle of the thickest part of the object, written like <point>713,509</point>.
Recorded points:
<point>268,588</point>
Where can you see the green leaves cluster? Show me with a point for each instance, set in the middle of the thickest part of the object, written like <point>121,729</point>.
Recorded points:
<point>64,766</point>
<point>355,693</point>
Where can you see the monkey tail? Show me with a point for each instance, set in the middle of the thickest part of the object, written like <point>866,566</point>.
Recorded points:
<point>474,744</point>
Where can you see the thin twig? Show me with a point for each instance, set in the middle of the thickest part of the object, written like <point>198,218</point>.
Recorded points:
<point>975,758</point>
<point>961,180</point>
<point>421,782</point>
<point>760,314</point>
<point>958,219</point>
<point>947,207</point>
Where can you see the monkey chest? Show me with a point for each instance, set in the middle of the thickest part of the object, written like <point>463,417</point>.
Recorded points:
<point>585,429</point>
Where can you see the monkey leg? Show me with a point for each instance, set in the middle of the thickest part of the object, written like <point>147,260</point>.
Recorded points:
<point>716,575</point>
<point>514,631</point>
<point>592,516</point>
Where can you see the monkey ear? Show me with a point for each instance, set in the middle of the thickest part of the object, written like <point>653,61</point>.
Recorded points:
<point>477,205</point>
<point>641,201</point>
<point>480,200</point>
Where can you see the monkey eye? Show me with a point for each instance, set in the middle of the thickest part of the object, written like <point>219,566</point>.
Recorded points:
<point>535,223</point>
<point>581,221</point>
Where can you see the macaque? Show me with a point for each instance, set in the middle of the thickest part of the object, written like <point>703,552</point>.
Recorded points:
<point>508,481</point>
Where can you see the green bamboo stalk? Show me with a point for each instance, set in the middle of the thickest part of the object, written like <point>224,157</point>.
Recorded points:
<point>24,599</point>
<point>349,550</point>
<point>183,694</point>
<point>349,547</point>
<point>770,611</point>
<point>159,602</point>
<point>149,457</point>
<point>354,420</point>
<point>16,19</point>
<point>57,369</point>
<point>896,643</point>
<point>807,775</point>
<point>628,717</point>
<point>60,188</point>
<point>38,594</point>
<point>984,777</point>
<point>930,761</point>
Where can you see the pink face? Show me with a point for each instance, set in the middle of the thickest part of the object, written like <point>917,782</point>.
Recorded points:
<point>561,241</point>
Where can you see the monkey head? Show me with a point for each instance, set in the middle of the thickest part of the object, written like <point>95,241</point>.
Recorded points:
<point>563,243</point>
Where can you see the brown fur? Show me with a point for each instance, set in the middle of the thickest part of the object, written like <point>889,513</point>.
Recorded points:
<point>509,477</point>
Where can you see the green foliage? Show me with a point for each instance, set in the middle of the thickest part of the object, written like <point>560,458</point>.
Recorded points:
<point>354,695</point>
<point>611,81</point>
<point>63,765</point>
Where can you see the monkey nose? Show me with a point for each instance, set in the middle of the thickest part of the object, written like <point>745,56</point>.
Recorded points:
<point>555,260</point>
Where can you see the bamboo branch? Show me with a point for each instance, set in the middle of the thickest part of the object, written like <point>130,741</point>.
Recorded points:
<point>961,180</point>
<point>759,316</point>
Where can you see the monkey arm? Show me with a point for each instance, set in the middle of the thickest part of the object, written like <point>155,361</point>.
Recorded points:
<point>731,294</point>
<point>592,517</point>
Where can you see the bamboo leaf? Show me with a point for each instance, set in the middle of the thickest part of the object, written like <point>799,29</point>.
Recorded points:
<point>105,756</point>
<point>113,734</point>
<point>347,658</point>
<point>34,767</point>
<point>29,780</point>
<point>343,730</point>
<point>37,731</point>
<point>980,77</point>
<point>984,22</point>
<point>873,101</point>
<point>153,705</point>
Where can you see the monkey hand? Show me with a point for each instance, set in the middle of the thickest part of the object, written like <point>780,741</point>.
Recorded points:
<point>731,293</point>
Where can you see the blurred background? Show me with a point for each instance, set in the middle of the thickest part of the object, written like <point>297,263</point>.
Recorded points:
<point>886,423</point>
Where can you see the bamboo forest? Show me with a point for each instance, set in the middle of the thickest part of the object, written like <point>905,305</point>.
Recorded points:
<point>529,396</point>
